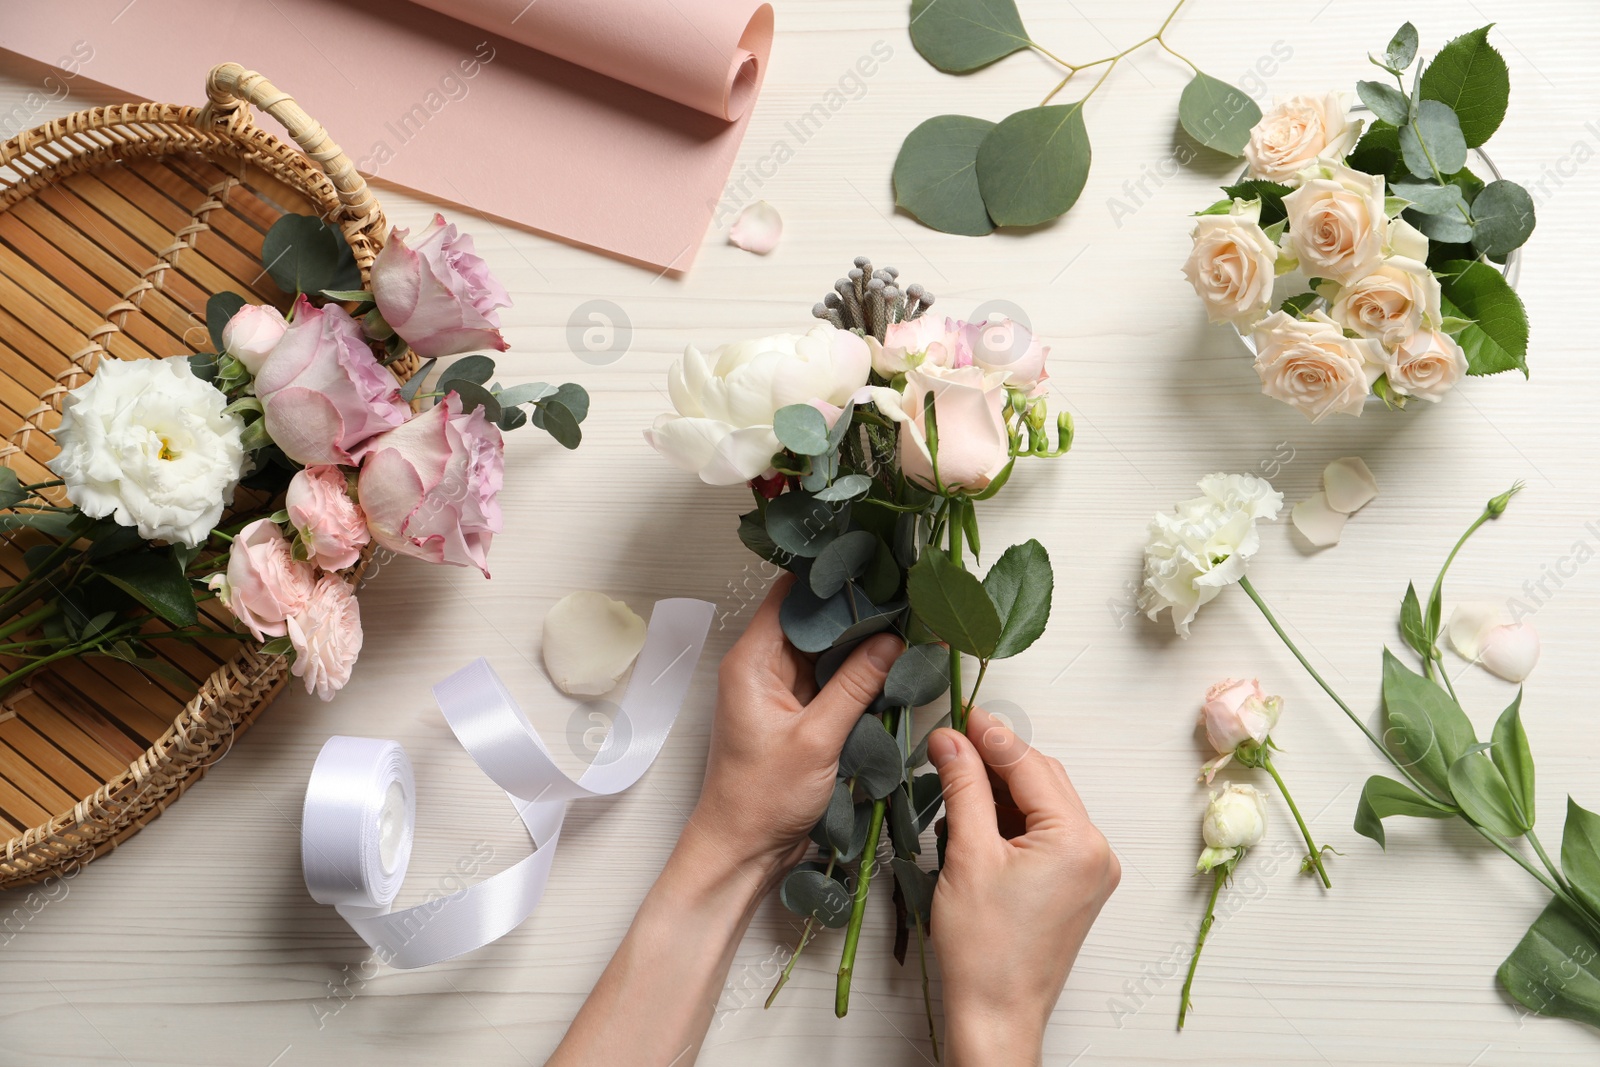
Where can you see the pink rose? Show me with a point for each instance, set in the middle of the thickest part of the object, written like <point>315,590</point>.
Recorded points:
<point>252,333</point>
<point>974,443</point>
<point>925,339</point>
<point>264,583</point>
<point>428,488</point>
<point>1237,712</point>
<point>328,521</point>
<point>326,635</point>
<point>438,295</point>
<point>324,391</point>
<point>1008,346</point>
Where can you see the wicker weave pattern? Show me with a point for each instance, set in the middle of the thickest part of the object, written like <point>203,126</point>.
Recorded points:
<point>118,222</point>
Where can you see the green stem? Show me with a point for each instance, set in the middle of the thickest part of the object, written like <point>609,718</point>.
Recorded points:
<point>31,619</point>
<point>1305,832</point>
<point>31,580</point>
<point>1220,875</point>
<point>805,938</point>
<point>958,710</point>
<point>927,995</point>
<point>858,910</point>
<point>1544,857</point>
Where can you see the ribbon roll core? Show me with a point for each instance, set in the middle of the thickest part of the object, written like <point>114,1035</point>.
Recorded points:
<point>358,822</point>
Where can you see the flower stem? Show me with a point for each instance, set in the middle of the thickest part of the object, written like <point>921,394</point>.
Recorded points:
<point>858,910</point>
<point>958,708</point>
<point>805,938</point>
<point>31,619</point>
<point>1219,876</point>
<point>1305,832</point>
<point>1544,857</point>
<point>927,995</point>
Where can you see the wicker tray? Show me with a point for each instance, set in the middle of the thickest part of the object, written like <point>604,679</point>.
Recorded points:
<point>116,225</point>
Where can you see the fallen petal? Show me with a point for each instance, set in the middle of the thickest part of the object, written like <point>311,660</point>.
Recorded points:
<point>590,641</point>
<point>1511,651</point>
<point>1350,484</point>
<point>1317,522</point>
<point>1469,626</point>
<point>757,228</point>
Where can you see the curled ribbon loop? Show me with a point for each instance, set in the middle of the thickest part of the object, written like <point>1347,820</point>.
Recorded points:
<point>360,807</point>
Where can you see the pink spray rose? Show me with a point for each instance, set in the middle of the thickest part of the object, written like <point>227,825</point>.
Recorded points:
<point>264,583</point>
<point>1237,712</point>
<point>324,391</point>
<point>328,521</point>
<point>1005,345</point>
<point>974,444</point>
<point>252,334</point>
<point>429,488</point>
<point>437,294</point>
<point>326,635</point>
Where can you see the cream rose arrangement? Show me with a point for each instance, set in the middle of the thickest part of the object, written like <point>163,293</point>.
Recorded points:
<point>1379,234</point>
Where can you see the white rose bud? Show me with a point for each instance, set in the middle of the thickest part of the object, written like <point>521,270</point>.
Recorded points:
<point>1233,265</point>
<point>1235,820</point>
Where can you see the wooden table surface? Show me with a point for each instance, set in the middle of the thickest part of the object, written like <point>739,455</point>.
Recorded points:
<point>195,943</point>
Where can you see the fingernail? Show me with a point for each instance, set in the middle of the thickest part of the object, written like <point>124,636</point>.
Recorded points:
<point>941,748</point>
<point>883,652</point>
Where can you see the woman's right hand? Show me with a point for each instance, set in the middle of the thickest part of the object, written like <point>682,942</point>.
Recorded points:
<point>1025,875</point>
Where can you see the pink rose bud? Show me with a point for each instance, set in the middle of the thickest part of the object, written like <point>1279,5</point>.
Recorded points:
<point>252,333</point>
<point>264,583</point>
<point>326,635</point>
<point>324,391</point>
<point>328,521</point>
<point>437,294</point>
<point>429,488</point>
<point>1008,346</point>
<point>1237,712</point>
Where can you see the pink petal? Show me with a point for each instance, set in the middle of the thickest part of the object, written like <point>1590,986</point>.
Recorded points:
<point>757,229</point>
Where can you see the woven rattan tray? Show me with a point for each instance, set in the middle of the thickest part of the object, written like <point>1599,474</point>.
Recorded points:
<point>116,225</point>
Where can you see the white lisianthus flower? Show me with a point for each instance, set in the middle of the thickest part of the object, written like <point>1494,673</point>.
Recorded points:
<point>1235,819</point>
<point>1296,133</point>
<point>1201,548</point>
<point>151,445</point>
<point>1233,264</point>
<point>722,429</point>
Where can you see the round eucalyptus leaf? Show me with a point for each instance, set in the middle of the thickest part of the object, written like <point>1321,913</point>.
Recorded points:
<point>903,824</point>
<point>1431,143</point>
<point>1032,166</point>
<point>1385,101</point>
<point>839,821</point>
<point>871,619</point>
<point>847,488</point>
<point>801,429</point>
<point>917,886</point>
<point>816,896</point>
<point>936,175</point>
<point>963,35</point>
<point>1402,47</point>
<point>1217,114</point>
<point>845,557</point>
<point>811,623</point>
<point>881,581</point>
<point>800,524</point>
<point>872,758</point>
<point>920,676</point>
<point>927,797</point>
<point>1502,217</point>
<point>1449,227</point>
<point>858,837</point>
<point>1430,198</point>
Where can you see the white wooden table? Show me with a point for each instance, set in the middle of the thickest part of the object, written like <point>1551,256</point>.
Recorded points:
<point>196,943</point>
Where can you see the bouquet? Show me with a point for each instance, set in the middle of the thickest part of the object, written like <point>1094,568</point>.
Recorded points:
<point>256,475</point>
<point>1443,770</point>
<point>1392,244</point>
<point>867,444</point>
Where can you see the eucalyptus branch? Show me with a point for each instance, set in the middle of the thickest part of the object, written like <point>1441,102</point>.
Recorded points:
<point>858,910</point>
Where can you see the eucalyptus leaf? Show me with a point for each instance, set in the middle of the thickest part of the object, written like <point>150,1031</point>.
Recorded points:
<point>1470,77</point>
<point>902,821</point>
<point>1502,218</point>
<point>1402,48</point>
<point>1431,198</point>
<point>953,604</point>
<point>838,823</point>
<point>800,524</point>
<point>936,175</point>
<point>1449,227</point>
<point>569,395</point>
<point>1382,797</point>
<point>1385,101</point>
<point>527,393</point>
<point>155,580</point>
<point>474,396</point>
<point>1512,755</point>
<point>815,895</point>
<point>1033,165</point>
<point>847,488</point>
<point>1580,854</point>
<point>1498,339</point>
<point>927,797</point>
<point>1482,792</point>
<point>872,758</point>
<point>917,886</point>
<point>1217,114</point>
<point>1020,584</point>
<point>474,369</point>
<point>920,676</point>
<point>1423,725</point>
<point>1432,143</point>
<point>919,754</point>
<point>962,35</point>
<point>11,491</point>
<point>220,308</point>
<point>413,385</point>
<point>801,429</point>
<point>302,254</point>
<point>870,618</point>
<point>843,559</point>
<point>1553,970</point>
<point>812,623</point>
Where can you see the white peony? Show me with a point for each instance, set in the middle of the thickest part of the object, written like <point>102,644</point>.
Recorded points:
<point>147,442</point>
<point>1202,546</point>
<point>722,430</point>
<point>1233,264</point>
<point>1235,820</point>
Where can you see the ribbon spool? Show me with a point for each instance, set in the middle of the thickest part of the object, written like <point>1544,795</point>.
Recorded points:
<point>360,809</point>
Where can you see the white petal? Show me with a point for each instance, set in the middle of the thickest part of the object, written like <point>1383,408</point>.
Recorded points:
<point>1317,522</point>
<point>1350,484</point>
<point>590,641</point>
<point>757,228</point>
<point>1511,651</point>
<point>1469,626</point>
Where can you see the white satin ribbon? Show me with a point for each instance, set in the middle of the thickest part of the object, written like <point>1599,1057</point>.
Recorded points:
<point>359,817</point>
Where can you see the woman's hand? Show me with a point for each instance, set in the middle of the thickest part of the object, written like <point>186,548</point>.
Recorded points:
<point>776,740</point>
<point>1024,877</point>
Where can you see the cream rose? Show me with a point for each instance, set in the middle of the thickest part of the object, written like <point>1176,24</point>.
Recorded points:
<point>1426,365</point>
<point>1233,264</point>
<point>1396,300</point>
<point>1310,364</point>
<point>1298,132</point>
<point>969,407</point>
<point>1235,820</point>
<point>1337,225</point>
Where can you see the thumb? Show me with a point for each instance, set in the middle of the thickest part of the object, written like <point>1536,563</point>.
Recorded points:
<point>968,800</point>
<point>855,685</point>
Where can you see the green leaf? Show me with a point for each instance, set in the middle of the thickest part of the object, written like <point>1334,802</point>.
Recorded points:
<point>527,393</point>
<point>1482,792</point>
<point>473,369</point>
<point>1217,115</point>
<point>917,886</point>
<point>1431,198</point>
<point>155,580</point>
<point>1382,797</point>
<point>815,895</point>
<point>475,396</point>
<point>1432,143</point>
<point>220,307</point>
<point>1512,755</point>
<point>1032,166</point>
<point>408,391</point>
<point>11,491</point>
<point>1499,340</point>
<point>560,422</point>
<point>1411,627</point>
<point>302,254</point>
<point>963,35</point>
<point>920,676</point>
<point>801,429</point>
<point>1401,51</point>
<point>1470,77</point>
<point>847,488</point>
<point>1378,151</point>
<point>1552,970</point>
<point>843,559</point>
<point>51,523</point>
<point>953,604</point>
<point>1449,227</point>
<point>800,524</point>
<point>811,623</point>
<point>1502,218</point>
<point>571,396</point>
<point>346,295</point>
<point>1296,305</point>
<point>927,795</point>
<point>902,820</point>
<point>838,824</point>
<point>936,175</point>
<point>1422,724</point>
<point>1580,854</point>
<point>1270,194</point>
<point>753,534</point>
<point>872,758</point>
<point>1385,101</point>
<point>1020,584</point>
